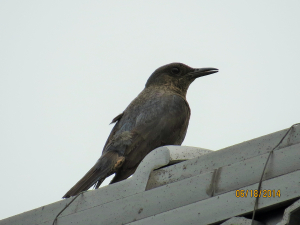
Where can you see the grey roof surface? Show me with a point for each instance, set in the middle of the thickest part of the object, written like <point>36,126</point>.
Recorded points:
<point>188,185</point>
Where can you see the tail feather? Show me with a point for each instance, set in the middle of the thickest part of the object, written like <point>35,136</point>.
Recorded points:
<point>104,167</point>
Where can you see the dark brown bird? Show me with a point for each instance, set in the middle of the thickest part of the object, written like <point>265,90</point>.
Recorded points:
<point>158,116</point>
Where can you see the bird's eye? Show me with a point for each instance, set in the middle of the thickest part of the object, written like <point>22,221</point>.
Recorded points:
<point>175,70</point>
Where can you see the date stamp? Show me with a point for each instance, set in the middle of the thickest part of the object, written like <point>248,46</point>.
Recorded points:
<point>255,193</point>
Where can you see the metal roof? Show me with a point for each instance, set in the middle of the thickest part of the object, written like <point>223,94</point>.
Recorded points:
<point>188,185</point>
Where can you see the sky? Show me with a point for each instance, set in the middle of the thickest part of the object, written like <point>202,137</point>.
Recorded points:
<point>69,67</point>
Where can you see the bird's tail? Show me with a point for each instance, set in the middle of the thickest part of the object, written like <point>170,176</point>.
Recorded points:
<point>105,166</point>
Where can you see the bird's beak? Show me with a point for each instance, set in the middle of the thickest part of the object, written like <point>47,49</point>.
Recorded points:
<point>203,72</point>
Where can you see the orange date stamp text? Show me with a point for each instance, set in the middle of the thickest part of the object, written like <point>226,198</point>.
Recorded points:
<point>241,193</point>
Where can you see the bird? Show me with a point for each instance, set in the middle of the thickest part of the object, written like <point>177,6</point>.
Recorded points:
<point>158,116</point>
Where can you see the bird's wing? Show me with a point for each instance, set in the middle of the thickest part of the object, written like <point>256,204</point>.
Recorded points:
<point>162,124</point>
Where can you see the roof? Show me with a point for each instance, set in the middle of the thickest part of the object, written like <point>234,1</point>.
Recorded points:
<point>189,185</point>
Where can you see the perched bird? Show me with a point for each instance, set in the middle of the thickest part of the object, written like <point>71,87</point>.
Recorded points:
<point>158,116</point>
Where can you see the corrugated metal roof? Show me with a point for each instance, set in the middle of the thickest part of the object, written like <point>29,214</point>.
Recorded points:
<point>209,187</point>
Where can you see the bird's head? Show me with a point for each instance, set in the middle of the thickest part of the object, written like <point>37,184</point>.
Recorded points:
<point>177,76</point>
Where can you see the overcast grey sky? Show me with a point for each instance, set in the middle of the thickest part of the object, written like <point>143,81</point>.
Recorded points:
<point>69,67</point>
